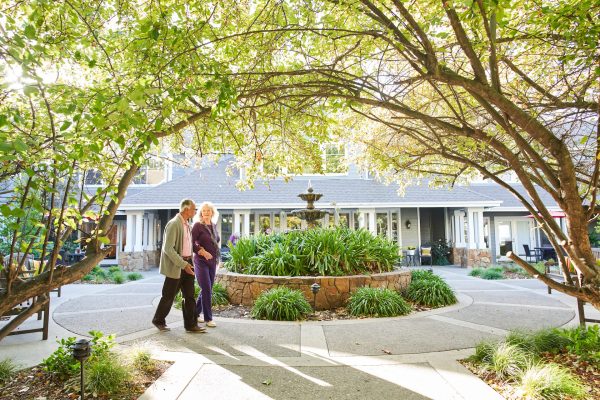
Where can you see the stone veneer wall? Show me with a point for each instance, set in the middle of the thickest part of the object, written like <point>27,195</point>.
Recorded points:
<point>479,258</point>
<point>133,261</point>
<point>335,290</point>
<point>471,257</point>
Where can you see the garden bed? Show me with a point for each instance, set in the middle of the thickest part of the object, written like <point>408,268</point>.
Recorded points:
<point>35,383</point>
<point>334,291</point>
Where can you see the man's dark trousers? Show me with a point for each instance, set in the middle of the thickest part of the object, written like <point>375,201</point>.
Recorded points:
<point>188,305</point>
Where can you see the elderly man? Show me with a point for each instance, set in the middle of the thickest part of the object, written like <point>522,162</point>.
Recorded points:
<point>176,266</point>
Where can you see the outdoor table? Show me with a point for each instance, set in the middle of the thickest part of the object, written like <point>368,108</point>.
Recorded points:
<point>547,252</point>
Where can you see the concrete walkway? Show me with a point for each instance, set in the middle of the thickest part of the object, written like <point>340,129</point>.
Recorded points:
<point>411,357</point>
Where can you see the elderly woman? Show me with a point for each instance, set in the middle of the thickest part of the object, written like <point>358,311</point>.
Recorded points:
<point>205,240</point>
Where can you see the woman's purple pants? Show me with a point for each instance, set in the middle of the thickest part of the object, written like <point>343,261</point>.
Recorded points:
<point>205,275</point>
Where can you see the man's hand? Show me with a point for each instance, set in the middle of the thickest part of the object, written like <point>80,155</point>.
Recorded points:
<point>188,269</point>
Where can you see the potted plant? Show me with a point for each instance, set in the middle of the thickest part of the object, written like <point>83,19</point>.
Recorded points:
<point>410,250</point>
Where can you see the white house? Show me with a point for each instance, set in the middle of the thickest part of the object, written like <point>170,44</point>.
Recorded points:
<point>482,221</point>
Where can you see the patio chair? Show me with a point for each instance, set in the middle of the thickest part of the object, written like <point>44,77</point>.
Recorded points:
<point>425,252</point>
<point>535,255</point>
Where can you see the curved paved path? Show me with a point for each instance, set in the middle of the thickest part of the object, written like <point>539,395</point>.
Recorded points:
<point>410,357</point>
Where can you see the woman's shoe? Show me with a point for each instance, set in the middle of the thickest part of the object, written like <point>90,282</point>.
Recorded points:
<point>211,324</point>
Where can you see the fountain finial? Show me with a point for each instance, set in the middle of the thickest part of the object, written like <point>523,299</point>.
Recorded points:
<point>310,188</point>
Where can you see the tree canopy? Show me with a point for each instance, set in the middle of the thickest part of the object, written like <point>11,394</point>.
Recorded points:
<point>430,88</point>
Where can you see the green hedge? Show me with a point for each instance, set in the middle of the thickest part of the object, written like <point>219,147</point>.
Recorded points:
<point>334,252</point>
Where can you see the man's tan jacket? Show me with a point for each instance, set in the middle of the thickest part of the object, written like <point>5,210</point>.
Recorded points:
<point>171,262</point>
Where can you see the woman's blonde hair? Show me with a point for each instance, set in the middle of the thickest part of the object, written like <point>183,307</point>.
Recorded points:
<point>215,212</point>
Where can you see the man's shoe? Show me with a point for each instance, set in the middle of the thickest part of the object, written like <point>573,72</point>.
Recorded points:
<point>196,329</point>
<point>211,324</point>
<point>200,320</point>
<point>161,327</point>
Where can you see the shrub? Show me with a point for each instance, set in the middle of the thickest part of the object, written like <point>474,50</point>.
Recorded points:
<point>507,360</point>
<point>134,276</point>
<point>420,274</point>
<point>431,293</point>
<point>62,363</point>
<point>492,273</point>
<point>88,277</point>
<point>483,352</point>
<point>7,370</point>
<point>377,302</point>
<point>476,271</point>
<point>118,277</point>
<point>219,295</point>
<point>281,304</point>
<point>113,269</point>
<point>106,374</point>
<point>550,381</point>
<point>585,342</point>
<point>546,340</point>
<point>337,251</point>
<point>141,359</point>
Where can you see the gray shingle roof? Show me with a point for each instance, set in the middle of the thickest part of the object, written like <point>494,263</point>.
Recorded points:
<point>509,201</point>
<point>212,184</point>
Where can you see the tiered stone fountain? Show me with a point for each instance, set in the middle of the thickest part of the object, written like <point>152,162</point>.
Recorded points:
<point>310,214</point>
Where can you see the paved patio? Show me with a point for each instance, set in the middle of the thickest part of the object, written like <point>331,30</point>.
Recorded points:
<point>411,357</point>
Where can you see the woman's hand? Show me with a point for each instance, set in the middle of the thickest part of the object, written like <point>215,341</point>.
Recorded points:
<point>205,254</point>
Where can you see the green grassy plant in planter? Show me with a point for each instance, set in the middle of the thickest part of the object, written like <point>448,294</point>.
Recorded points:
<point>431,293</point>
<point>7,369</point>
<point>281,304</point>
<point>492,273</point>
<point>219,296</point>
<point>377,302</point>
<point>551,381</point>
<point>423,274</point>
<point>327,252</point>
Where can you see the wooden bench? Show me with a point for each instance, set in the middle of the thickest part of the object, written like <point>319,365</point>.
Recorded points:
<point>14,316</point>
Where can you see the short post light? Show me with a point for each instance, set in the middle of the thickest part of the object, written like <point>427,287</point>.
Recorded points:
<point>81,351</point>
<point>315,289</point>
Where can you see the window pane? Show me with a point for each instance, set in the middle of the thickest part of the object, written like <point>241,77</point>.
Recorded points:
<point>344,220</point>
<point>382,224</point>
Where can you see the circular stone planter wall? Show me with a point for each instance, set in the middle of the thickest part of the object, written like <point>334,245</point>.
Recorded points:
<point>335,290</point>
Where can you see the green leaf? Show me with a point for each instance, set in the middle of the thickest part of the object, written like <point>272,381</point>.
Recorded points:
<point>30,32</point>
<point>30,90</point>
<point>104,239</point>
<point>65,125</point>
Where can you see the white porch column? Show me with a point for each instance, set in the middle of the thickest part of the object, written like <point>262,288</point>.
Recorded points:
<point>236,223</point>
<point>139,216</point>
<point>362,221</point>
<point>282,221</point>
<point>480,231</point>
<point>419,227</point>
<point>246,225</point>
<point>130,231</point>
<point>459,220</point>
<point>475,228</point>
<point>151,243</point>
<point>372,222</point>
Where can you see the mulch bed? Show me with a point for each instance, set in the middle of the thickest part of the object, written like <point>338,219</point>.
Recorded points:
<point>243,312</point>
<point>36,384</point>
<point>588,373</point>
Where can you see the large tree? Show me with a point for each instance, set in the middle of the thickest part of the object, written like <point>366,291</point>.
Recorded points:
<point>98,87</point>
<point>457,88</point>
